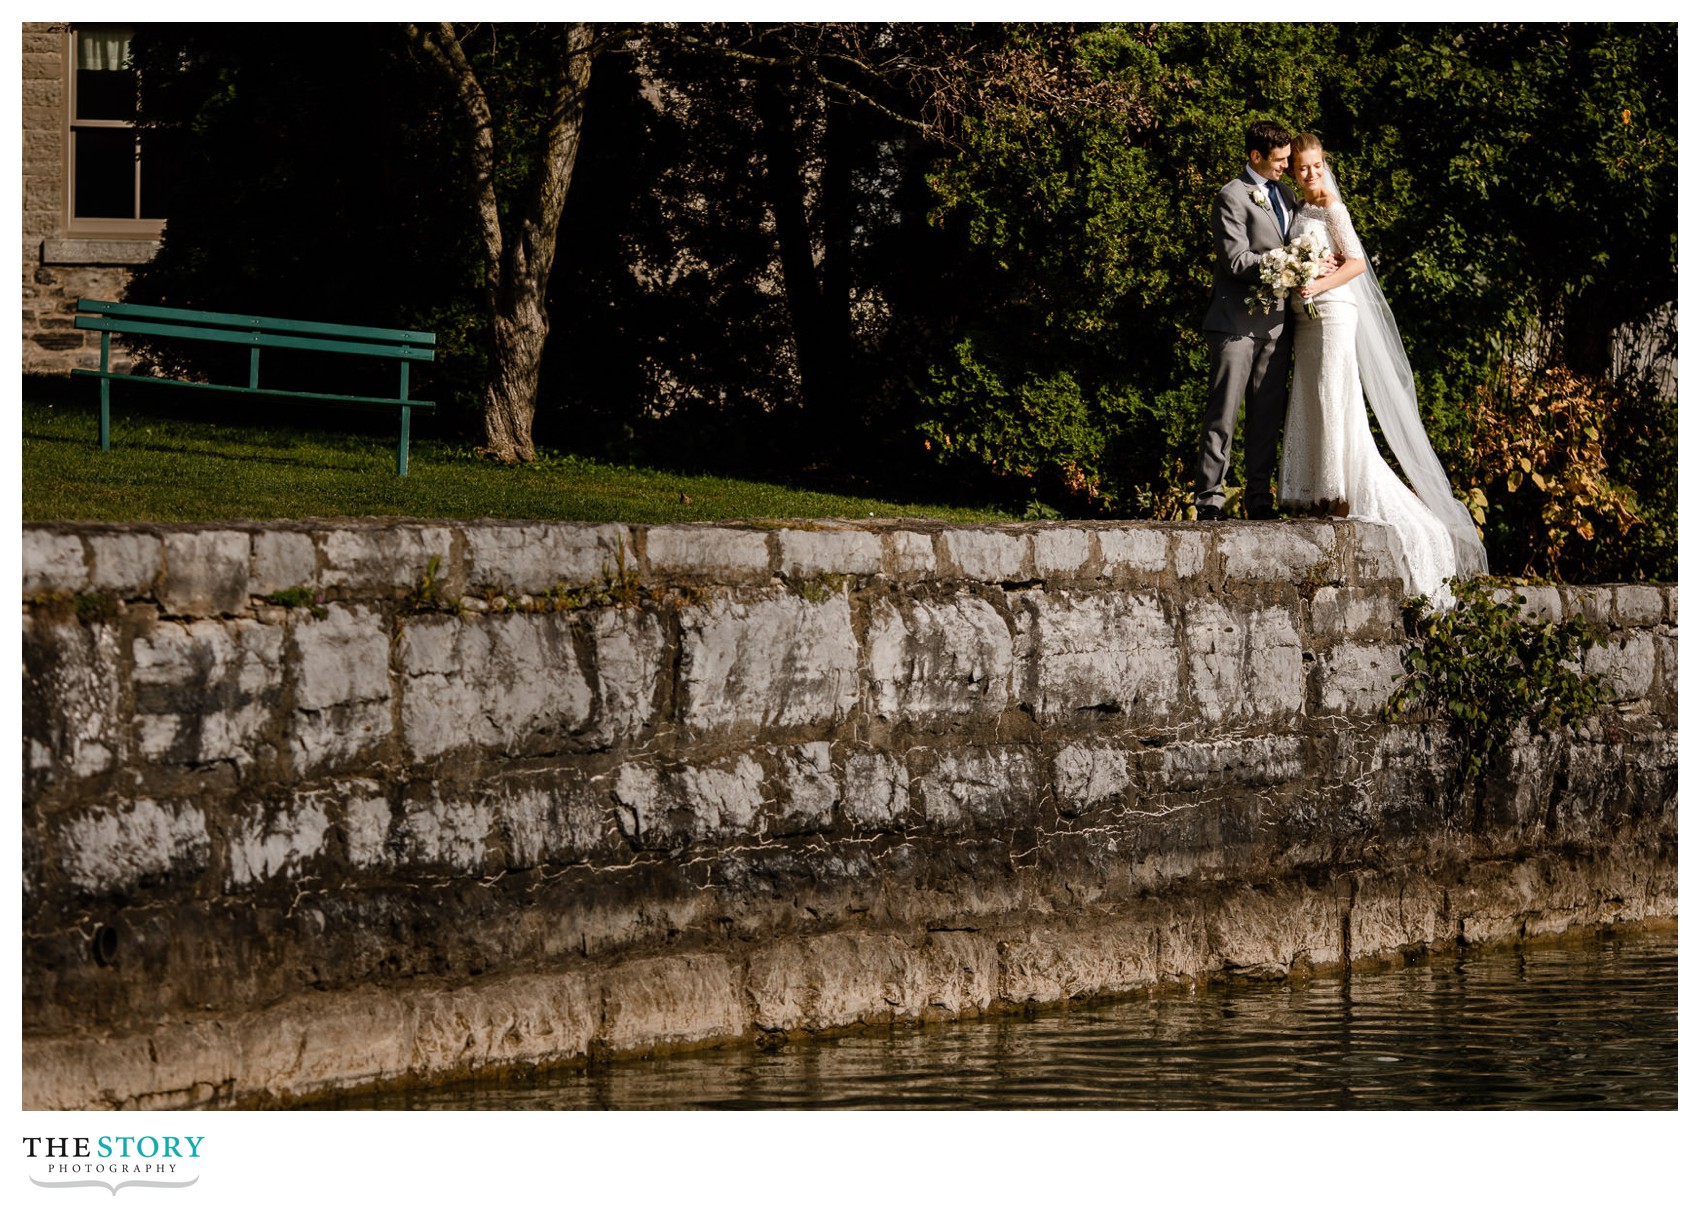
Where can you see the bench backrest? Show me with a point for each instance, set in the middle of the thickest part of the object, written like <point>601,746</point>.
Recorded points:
<point>235,329</point>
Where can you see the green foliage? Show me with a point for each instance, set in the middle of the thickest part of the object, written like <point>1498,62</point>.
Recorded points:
<point>1485,668</point>
<point>428,594</point>
<point>1012,299</point>
<point>299,598</point>
<point>311,176</point>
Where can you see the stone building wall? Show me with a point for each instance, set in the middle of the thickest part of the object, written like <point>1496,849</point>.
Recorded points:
<point>336,803</point>
<point>60,266</point>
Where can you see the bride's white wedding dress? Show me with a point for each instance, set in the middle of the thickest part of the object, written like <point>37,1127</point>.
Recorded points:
<point>1329,459</point>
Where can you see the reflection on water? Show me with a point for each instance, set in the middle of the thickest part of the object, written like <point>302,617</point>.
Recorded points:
<point>1590,1025</point>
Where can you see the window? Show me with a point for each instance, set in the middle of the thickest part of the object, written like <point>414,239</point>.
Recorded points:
<point>113,185</point>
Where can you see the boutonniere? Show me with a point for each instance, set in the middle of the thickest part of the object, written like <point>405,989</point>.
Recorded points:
<point>1259,195</point>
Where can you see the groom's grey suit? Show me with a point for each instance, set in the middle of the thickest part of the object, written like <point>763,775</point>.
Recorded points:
<point>1250,353</point>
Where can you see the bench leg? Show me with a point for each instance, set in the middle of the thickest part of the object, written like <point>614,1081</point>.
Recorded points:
<point>105,392</point>
<point>401,446</point>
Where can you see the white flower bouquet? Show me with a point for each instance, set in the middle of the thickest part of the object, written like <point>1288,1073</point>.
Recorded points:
<point>1288,268</point>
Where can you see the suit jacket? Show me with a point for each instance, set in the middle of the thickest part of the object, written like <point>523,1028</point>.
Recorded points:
<point>1243,232</point>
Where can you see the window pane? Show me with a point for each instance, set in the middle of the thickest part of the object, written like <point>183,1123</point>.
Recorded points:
<point>158,170</point>
<point>106,95</point>
<point>106,88</point>
<point>106,174</point>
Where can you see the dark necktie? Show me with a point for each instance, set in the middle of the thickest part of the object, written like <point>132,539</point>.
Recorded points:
<point>1279,207</point>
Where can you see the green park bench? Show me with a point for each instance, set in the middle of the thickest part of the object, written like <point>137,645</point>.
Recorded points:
<point>256,332</point>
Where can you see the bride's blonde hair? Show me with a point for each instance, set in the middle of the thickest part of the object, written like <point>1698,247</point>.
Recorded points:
<point>1306,141</point>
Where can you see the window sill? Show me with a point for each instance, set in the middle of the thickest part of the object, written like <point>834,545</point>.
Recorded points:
<point>108,251</point>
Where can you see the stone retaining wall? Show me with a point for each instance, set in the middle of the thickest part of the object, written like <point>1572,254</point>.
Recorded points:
<point>336,803</point>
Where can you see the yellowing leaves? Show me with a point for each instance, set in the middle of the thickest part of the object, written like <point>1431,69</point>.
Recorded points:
<point>1544,429</point>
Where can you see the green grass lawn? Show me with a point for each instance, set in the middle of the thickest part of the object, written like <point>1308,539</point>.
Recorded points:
<point>165,469</point>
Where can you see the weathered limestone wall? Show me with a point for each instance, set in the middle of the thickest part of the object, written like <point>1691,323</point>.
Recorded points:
<point>502,794</point>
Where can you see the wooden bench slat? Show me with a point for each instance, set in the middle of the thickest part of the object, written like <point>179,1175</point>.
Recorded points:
<point>230,336</point>
<point>262,323</point>
<point>386,401</point>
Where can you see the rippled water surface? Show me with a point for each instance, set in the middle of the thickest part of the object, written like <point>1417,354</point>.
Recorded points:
<point>1590,1025</point>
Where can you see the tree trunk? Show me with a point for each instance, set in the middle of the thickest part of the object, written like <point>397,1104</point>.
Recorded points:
<point>517,259</point>
<point>818,299</point>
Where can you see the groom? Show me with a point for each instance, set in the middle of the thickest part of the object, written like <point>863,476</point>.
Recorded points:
<point>1249,352</point>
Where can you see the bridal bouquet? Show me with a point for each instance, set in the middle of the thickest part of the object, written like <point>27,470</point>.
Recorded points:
<point>1289,268</point>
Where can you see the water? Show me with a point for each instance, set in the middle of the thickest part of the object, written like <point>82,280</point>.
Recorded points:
<point>1572,1025</point>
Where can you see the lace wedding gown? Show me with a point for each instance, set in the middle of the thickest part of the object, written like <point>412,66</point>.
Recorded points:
<point>1329,458</point>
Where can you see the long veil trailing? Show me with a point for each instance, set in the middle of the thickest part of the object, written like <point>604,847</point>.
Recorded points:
<point>1391,391</point>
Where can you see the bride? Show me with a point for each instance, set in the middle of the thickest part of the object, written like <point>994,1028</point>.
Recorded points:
<point>1329,462</point>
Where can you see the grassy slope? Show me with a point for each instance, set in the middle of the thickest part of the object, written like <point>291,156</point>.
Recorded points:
<point>172,470</point>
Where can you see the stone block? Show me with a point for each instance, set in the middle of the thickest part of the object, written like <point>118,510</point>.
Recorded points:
<point>112,849</point>
<point>658,810</point>
<point>1062,553</point>
<point>519,1020</point>
<point>1346,611</point>
<point>1084,775</point>
<point>283,559</point>
<point>126,563</point>
<point>992,556</point>
<point>1358,679</point>
<point>1592,602</point>
<point>1375,553</point>
<point>207,691</point>
<point>1190,548</point>
<point>1670,604</point>
<point>206,572</point>
<point>931,660</point>
<point>809,789</point>
<point>707,553</point>
<point>534,557</point>
<point>807,553</point>
<point>1109,653</point>
<point>1275,670</point>
<point>859,977</point>
<point>552,817</point>
<point>1627,661</point>
<point>444,830</point>
<point>385,560</point>
<point>631,653</point>
<point>796,984</point>
<point>507,682</point>
<point>271,840</point>
<point>1542,602</point>
<point>342,685</point>
<point>1257,761</point>
<point>979,788</point>
<point>53,563</point>
<point>775,661</point>
<point>909,553</point>
<point>1290,553</point>
<point>366,824</point>
<point>668,1001</point>
<point>1137,551</point>
<point>876,790</point>
<point>1639,605</point>
<point>73,721</point>
<point>1216,659</point>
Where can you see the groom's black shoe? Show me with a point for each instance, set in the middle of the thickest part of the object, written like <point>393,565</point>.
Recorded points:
<point>1211,513</point>
<point>1262,512</point>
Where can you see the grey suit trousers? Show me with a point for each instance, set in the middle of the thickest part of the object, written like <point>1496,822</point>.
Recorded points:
<point>1254,369</point>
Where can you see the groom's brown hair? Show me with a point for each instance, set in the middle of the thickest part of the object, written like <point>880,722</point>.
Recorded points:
<point>1265,137</point>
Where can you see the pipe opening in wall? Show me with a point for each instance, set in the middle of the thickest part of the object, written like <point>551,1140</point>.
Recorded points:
<point>105,945</point>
